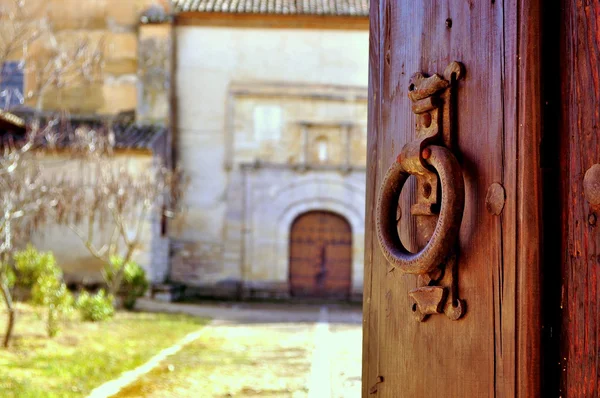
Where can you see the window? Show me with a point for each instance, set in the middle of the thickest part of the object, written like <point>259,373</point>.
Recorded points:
<point>322,149</point>
<point>11,84</point>
<point>268,121</point>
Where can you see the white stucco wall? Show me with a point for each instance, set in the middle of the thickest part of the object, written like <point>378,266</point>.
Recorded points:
<point>209,58</point>
<point>78,264</point>
<point>209,61</point>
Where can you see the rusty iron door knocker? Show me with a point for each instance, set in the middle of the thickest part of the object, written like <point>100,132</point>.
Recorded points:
<point>440,198</point>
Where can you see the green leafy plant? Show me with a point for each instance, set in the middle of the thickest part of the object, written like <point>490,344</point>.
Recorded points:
<point>135,283</point>
<point>31,264</point>
<point>53,295</point>
<point>95,308</point>
<point>38,272</point>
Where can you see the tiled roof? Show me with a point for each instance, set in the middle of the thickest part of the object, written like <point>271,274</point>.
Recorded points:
<point>127,133</point>
<point>12,119</point>
<point>357,8</point>
<point>136,136</point>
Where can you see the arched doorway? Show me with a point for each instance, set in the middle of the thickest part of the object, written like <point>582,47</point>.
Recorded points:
<point>320,255</point>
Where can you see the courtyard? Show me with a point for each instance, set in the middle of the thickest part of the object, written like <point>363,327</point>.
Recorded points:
<point>260,350</point>
<point>208,350</point>
<point>163,146</point>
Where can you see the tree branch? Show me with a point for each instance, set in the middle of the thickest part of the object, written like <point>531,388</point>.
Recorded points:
<point>88,244</point>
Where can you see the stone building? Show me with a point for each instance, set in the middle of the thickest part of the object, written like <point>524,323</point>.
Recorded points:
<point>111,97</point>
<point>136,148</point>
<point>112,25</point>
<point>271,112</point>
<point>265,107</point>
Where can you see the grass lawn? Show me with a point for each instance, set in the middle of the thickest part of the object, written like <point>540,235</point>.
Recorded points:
<point>83,355</point>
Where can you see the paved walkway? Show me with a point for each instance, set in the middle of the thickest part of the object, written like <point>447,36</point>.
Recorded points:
<point>260,350</point>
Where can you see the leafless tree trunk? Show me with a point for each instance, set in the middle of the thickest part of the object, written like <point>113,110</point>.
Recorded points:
<point>25,200</point>
<point>11,313</point>
<point>118,199</point>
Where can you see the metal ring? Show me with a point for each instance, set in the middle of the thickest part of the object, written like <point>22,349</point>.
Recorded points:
<point>448,225</point>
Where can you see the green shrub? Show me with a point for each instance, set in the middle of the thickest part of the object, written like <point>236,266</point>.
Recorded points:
<point>31,264</point>
<point>95,308</point>
<point>56,298</point>
<point>134,283</point>
<point>38,272</point>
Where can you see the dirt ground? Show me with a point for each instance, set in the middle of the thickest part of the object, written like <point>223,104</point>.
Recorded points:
<point>261,350</point>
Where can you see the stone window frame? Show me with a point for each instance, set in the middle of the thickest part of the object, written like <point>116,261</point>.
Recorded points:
<point>262,89</point>
<point>346,128</point>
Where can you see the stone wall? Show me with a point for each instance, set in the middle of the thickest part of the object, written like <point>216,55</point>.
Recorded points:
<point>275,198</point>
<point>270,123</point>
<point>296,124</point>
<point>154,73</point>
<point>262,203</point>
<point>158,251</point>
<point>208,61</point>
<point>71,254</point>
<point>110,25</point>
<point>114,27</point>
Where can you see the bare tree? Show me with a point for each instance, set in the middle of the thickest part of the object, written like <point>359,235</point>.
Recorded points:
<point>49,62</point>
<point>63,64</point>
<point>25,201</point>
<point>108,205</point>
<point>25,197</point>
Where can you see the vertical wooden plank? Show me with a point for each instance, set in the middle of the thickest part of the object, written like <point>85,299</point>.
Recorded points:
<point>494,350</point>
<point>580,143</point>
<point>506,358</point>
<point>320,256</point>
<point>370,308</point>
<point>528,223</point>
<point>457,358</point>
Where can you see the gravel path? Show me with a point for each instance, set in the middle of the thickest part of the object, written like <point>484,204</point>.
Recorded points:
<point>261,350</point>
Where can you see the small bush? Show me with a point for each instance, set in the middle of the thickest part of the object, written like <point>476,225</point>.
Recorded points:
<point>31,264</point>
<point>95,308</point>
<point>38,272</point>
<point>53,294</point>
<point>134,283</point>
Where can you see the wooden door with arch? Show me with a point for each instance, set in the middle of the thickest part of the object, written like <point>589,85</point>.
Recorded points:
<point>320,256</point>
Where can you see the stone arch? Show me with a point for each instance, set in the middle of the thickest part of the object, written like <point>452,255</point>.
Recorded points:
<point>272,207</point>
<point>351,215</point>
<point>320,255</point>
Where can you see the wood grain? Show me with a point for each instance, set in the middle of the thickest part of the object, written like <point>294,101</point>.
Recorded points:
<point>320,255</point>
<point>528,227</point>
<point>580,143</point>
<point>370,367</point>
<point>494,350</point>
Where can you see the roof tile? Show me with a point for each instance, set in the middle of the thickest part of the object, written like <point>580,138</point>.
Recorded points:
<point>358,8</point>
<point>127,133</point>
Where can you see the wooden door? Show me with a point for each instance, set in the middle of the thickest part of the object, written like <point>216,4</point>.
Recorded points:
<point>320,256</point>
<point>576,306</point>
<point>494,349</point>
